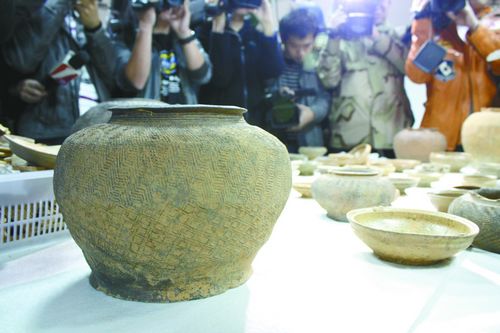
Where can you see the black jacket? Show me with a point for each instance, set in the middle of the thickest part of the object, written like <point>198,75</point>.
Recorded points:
<point>242,62</point>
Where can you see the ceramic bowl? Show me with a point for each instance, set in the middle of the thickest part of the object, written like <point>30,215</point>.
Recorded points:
<point>303,188</point>
<point>34,153</point>
<point>482,168</point>
<point>384,165</point>
<point>456,160</point>
<point>297,157</point>
<point>312,152</point>
<point>403,181</point>
<point>403,164</point>
<point>307,168</point>
<point>479,180</point>
<point>360,153</point>
<point>413,237</point>
<point>441,199</point>
<point>425,178</point>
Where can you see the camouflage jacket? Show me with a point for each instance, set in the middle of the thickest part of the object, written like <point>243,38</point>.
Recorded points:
<point>369,104</point>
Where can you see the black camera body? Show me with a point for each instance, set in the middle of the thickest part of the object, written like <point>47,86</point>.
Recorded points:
<point>437,9</point>
<point>158,5</point>
<point>283,112</point>
<point>360,18</point>
<point>222,6</point>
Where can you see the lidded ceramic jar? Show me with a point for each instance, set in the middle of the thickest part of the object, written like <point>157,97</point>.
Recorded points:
<point>483,208</point>
<point>481,135</point>
<point>344,189</point>
<point>171,203</point>
<point>417,144</point>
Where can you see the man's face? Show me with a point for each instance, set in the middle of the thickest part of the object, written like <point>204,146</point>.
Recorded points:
<point>296,48</point>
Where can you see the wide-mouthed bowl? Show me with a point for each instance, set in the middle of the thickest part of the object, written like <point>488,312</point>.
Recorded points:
<point>413,237</point>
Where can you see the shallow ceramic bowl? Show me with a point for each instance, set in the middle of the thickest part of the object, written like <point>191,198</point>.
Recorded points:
<point>312,152</point>
<point>385,166</point>
<point>307,168</point>
<point>442,199</point>
<point>479,180</point>
<point>412,237</point>
<point>297,157</point>
<point>403,164</point>
<point>360,153</point>
<point>456,160</point>
<point>426,178</point>
<point>303,188</point>
<point>34,153</point>
<point>402,181</point>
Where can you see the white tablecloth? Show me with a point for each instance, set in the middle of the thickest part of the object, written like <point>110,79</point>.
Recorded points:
<point>313,275</point>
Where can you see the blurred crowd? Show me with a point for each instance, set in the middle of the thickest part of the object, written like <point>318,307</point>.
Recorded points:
<point>312,79</point>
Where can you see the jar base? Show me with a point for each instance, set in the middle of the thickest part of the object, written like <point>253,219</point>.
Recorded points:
<point>169,292</point>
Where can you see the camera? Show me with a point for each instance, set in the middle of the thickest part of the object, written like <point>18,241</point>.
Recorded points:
<point>283,112</point>
<point>360,18</point>
<point>159,5</point>
<point>437,9</point>
<point>217,8</point>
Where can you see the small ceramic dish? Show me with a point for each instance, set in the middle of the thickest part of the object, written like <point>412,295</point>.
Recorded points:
<point>312,152</point>
<point>34,153</point>
<point>409,236</point>
<point>456,160</point>
<point>441,199</point>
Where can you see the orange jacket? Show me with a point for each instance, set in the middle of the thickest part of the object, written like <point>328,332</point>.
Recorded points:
<point>449,103</point>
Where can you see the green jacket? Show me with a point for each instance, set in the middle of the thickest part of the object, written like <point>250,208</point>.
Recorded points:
<point>369,104</point>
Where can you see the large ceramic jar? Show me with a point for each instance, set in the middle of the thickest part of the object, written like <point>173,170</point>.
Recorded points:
<point>417,144</point>
<point>481,135</point>
<point>344,189</point>
<point>483,208</point>
<point>171,203</point>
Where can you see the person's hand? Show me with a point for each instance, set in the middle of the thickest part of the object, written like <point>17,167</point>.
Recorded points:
<point>465,17</point>
<point>147,18</point>
<point>285,91</point>
<point>31,91</point>
<point>266,18</point>
<point>338,18</point>
<point>179,18</point>
<point>306,117</point>
<point>89,15</point>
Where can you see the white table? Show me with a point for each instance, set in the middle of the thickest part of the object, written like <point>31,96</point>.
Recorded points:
<point>313,275</point>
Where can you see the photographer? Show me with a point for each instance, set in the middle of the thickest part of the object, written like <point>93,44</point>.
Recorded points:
<point>463,82</point>
<point>167,62</point>
<point>43,43</point>
<point>364,62</point>
<point>243,57</point>
<point>298,31</point>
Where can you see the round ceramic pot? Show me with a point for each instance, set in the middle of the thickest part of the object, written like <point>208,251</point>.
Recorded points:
<point>417,144</point>
<point>481,135</point>
<point>171,203</point>
<point>483,208</point>
<point>344,189</point>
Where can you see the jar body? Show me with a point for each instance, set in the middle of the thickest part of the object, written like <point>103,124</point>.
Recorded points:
<point>481,135</point>
<point>173,205</point>
<point>417,144</point>
<point>483,208</point>
<point>339,194</point>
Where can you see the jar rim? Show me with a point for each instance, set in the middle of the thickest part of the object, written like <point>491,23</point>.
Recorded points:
<point>177,108</point>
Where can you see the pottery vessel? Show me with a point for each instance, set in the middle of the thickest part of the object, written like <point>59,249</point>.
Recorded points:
<point>410,236</point>
<point>483,208</point>
<point>344,189</point>
<point>171,203</point>
<point>481,135</point>
<point>456,160</point>
<point>312,152</point>
<point>417,144</point>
